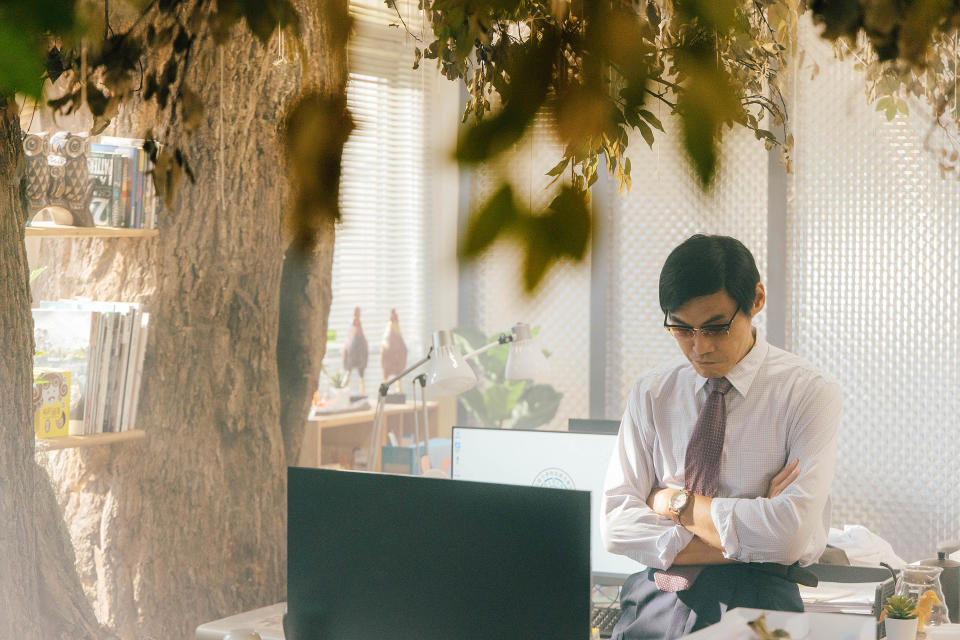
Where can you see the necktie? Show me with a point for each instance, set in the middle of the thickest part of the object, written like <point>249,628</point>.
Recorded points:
<point>701,471</point>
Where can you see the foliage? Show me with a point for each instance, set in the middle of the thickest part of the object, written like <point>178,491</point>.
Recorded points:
<point>599,71</point>
<point>498,402</point>
<point>74,41</point>
<point>901,608</point>
<point>910,54</point>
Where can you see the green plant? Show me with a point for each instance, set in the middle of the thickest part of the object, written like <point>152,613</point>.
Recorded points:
<point>337,379</point>
<point>901,608</point>
<point>496,401</point>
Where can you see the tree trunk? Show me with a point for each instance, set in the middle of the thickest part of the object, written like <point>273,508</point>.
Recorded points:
<point>40,596</point>
<point>189,524</point>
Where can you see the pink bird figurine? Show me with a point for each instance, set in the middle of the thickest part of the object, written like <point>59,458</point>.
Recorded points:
<point>393,350</point>
<point>355,350</point>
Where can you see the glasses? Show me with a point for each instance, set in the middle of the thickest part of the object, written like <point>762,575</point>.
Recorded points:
<point>682,331</point>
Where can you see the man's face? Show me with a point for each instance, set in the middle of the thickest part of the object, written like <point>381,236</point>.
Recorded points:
<point>715,356</point>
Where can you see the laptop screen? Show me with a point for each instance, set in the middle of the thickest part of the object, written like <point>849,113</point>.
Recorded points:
<point>557,459</point>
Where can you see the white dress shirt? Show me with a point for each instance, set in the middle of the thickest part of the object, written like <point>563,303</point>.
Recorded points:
<point>780,408</point>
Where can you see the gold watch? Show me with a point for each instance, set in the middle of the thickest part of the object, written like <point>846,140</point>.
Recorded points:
<point>678,502</point>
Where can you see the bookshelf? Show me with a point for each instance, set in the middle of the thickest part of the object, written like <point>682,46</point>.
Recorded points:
<point>92,440</point>
<point>329,439</point>
<point>50,230</point>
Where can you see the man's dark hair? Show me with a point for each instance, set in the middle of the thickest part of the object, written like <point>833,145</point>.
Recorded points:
<point>703,265</point>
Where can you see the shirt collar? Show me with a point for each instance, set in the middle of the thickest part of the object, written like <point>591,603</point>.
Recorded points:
<point>744,372</point>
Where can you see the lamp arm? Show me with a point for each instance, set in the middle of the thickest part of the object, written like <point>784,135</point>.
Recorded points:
<point>385,385</point>
<point>377,430</point>
<point>503,339</point>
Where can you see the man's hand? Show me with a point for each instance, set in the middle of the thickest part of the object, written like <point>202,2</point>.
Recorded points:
<point>659,500</point>
<point>784,477</point>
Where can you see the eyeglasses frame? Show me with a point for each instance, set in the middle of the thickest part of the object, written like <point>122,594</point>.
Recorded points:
<point>721,330</point>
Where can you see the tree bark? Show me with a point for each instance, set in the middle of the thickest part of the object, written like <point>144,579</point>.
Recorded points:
<point>189,525</point>
<point>40,595</point>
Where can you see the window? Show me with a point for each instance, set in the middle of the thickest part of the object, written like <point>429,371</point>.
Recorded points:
<point>384,247</point>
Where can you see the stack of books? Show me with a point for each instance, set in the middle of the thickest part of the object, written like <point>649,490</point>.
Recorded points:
<point>102,345</point>
<point>123,194</point>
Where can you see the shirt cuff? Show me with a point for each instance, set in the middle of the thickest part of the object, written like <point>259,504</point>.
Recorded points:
<point>721,511</point>
<point>668,544</point>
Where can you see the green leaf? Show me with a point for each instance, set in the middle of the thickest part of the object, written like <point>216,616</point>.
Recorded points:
<point>536,407</point>
<point>645,132</point>
<point>564,232</point>
<point>331,335</point>
<point>652,119</point>
<point>497,215</point>
<point>559,167</point>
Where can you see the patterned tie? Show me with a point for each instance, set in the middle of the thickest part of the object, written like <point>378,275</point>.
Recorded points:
<point>701,470</point>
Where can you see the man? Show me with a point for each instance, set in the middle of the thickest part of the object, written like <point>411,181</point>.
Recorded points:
<point>720,479</point>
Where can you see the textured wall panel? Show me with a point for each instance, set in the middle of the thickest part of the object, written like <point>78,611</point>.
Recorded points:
<point>664,208</point>
<point>874,263</point>
<point>560,306</point>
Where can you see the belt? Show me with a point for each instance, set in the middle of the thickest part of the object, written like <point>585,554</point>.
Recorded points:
<point>793,573</point>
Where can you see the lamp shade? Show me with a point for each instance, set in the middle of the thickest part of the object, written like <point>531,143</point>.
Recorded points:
<point>449,373</point>
<point>525,360</point>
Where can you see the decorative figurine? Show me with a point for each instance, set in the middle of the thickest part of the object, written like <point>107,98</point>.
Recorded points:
<point>393,351</point>
<point>36,147</point>
<point>355,350</point>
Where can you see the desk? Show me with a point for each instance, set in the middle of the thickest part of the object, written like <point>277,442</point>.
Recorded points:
<point>267,621</point>
<point>802,626</point>
<point>330,439</point>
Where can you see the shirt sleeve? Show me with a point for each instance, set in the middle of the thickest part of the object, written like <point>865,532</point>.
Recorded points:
<point>789,527</point>
<point>630,527</point>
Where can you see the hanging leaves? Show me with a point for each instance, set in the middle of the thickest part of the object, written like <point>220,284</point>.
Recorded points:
<point>596,69</point>
<point>314,132</point>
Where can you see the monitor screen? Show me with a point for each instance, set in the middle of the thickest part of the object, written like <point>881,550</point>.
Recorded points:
<point>593,425</point>
<point>546,459</point>
<point>412,558</point>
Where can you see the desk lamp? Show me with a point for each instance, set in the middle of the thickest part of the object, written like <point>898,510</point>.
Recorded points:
<point>448,371</point>
<point>449,374</point>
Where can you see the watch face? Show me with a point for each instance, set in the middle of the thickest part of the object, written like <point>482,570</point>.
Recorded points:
<point>678,501</point>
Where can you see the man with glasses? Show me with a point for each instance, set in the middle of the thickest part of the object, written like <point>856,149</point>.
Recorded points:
<point>720,480</point>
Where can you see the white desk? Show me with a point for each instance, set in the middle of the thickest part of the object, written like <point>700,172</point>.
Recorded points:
<point>802,626</point>
<point>267,621</point>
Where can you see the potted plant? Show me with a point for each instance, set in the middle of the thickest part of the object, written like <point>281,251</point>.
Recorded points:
<point>497,402</point>
<point>900,618</point>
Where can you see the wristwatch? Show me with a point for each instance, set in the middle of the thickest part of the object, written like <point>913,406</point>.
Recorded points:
<point>678,502</point>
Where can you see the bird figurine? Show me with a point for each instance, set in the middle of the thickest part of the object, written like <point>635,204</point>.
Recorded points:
<point>393,351</point>
<point>355,350</point>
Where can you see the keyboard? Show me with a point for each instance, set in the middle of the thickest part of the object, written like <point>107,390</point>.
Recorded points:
<point>604,617</point>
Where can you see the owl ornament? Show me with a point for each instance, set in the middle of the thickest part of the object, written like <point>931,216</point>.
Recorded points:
<point>36,176</point>
<point>70,185</point>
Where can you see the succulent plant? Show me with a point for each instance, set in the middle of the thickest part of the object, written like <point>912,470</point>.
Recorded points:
<point>901,608</point>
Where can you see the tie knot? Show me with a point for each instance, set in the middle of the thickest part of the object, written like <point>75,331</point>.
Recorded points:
<point>718,385</point>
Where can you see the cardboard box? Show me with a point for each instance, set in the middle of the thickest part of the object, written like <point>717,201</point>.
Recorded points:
<point>51,403</point>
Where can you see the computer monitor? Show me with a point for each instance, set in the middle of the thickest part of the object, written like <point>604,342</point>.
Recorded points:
<point>593,425</point>
<point>413,558</point>
<point>548,459</point>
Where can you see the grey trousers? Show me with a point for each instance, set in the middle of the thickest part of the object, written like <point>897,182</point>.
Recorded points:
<point>651,614</point>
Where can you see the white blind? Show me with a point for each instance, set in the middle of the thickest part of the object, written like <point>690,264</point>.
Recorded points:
<point>382,245</point>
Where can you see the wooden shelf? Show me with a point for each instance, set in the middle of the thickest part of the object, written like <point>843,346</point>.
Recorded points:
<point>50,230</point>
<point>93,440</point>
<point>328,420</point>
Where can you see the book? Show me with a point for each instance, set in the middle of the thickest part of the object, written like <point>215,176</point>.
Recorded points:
<point>51,403</point>
<point>62,339</point>
<point>109,359</point>
<point>101,167</point>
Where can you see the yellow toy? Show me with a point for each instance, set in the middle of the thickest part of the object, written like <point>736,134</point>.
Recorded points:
<point>925,605</point>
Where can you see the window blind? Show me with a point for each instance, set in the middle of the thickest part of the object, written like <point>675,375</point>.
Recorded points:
<point>382,244</point>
